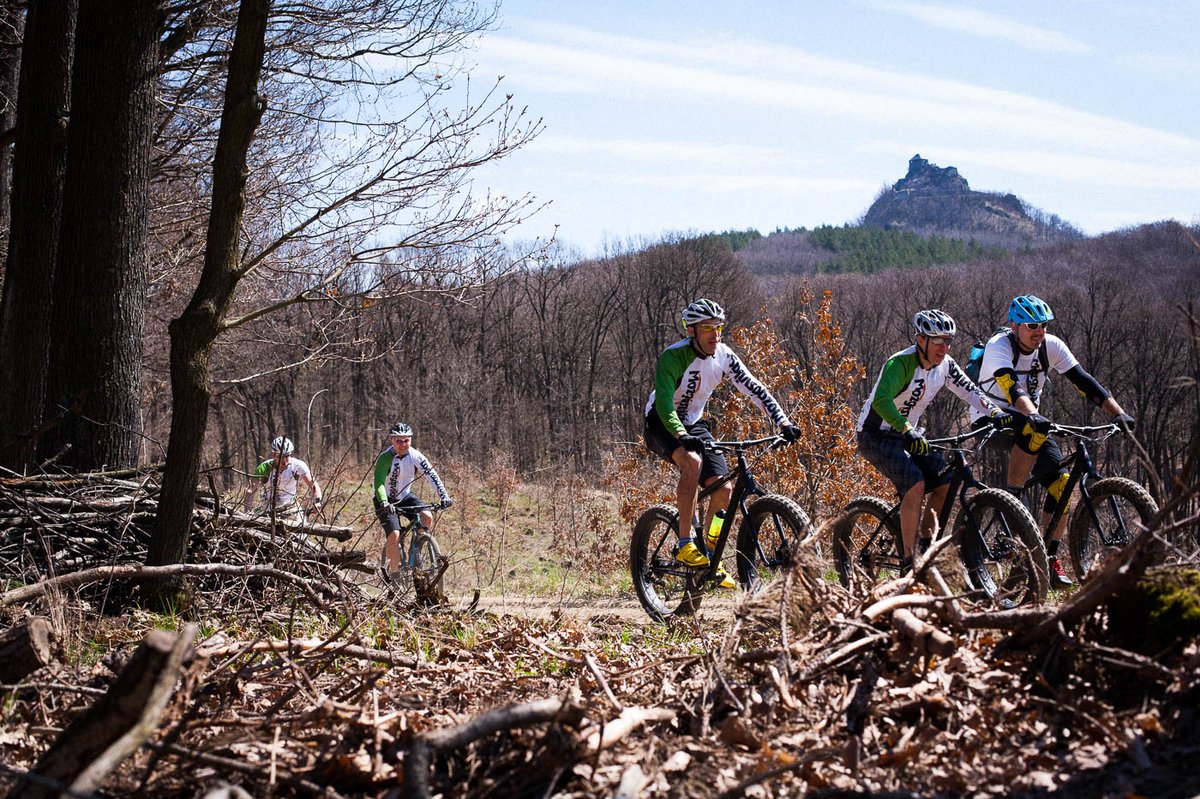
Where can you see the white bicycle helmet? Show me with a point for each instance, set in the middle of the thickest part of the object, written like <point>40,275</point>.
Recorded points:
<point>934,323</point>
<point>702,309</point>
<point>283,446</point>
<point>400,429</point>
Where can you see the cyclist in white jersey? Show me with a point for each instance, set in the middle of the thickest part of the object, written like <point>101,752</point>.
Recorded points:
<point>1016,365</point>
<point>277,481</point>
<point>396,469</point>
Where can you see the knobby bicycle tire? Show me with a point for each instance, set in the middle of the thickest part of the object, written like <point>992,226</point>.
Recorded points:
<point>664,586</point>
<point>1009,563</point>
<point>1122,506</point>
<point>866,544</point>
<point>769,537</point>
<point>424,560</point>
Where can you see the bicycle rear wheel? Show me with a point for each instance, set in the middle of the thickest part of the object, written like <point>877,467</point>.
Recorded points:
<point>426,566</point>
<point>1003,556</point>
<point>665,587</point>
<point>1122,508</point>
<point>866,545</point>
<point>769,537</point>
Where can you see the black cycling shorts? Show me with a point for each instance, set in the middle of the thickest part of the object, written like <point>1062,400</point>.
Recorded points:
<point>660,441</point>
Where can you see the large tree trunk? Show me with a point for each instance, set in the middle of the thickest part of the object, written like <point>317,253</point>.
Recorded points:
<point>100,283</point>
<point>39,163</point>
<point>193,333</point>
<point>12,26</point>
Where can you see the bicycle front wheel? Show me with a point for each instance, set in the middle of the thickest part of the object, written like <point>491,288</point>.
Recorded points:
<point>866,544</point>
<point>769,537</point>
<point>1002,550</point>
<point>426,566</point>
<point>1121,508</point>
<point>665,587</point>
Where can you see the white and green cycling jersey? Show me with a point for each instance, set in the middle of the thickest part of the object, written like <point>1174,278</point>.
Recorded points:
<point>904,390</point>
<point>684,380</point>
<point>394,475</point>
<point>287,484</point>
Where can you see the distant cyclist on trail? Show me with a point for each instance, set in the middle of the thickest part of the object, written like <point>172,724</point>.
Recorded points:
<point>686,375</point>
<point>1016,365</point>
<point>888,435</point>
<point>278,480</point>
<point>396,469</point>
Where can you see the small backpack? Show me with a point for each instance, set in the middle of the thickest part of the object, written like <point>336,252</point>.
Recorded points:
<point>974,362</point>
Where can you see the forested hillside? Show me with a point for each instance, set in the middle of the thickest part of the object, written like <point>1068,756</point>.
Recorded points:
<point>550,366</point>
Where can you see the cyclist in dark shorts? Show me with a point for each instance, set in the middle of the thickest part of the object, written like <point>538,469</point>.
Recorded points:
<point>888,436</point>
<point>1016,365</point>
<point>396,469</point>
<point>686,375</point>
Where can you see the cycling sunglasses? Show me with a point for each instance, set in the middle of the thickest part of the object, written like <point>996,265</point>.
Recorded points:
<point>1036,325</point>
<point>708,328</point>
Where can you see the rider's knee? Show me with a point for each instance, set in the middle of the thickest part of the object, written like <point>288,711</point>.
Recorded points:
<point>1054,494</point>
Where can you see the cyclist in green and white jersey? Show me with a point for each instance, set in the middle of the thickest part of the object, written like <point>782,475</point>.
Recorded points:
<point>277,482</point>
<point>396,469</point>
<point>888,435</point>
<point>686,375</point>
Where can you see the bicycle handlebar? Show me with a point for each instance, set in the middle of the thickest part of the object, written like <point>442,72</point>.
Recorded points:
<point>956,441</point>
<point>733,446</point>
<point>1097,433</point>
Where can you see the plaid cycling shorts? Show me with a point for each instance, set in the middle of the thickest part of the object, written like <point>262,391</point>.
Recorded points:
<point>887,452</point>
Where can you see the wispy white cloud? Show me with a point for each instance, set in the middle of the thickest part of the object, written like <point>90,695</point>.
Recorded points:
<point>986,25</point>
<point>786,79</point>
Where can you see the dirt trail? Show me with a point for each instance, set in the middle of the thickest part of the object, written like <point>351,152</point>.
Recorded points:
<point>714,607</point>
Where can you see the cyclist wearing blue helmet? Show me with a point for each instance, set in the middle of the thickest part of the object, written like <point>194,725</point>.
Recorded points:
<point>1015,368</point>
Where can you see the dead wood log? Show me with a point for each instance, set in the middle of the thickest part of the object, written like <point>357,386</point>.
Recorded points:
<point>425,746</point>
<point>90,748</point>
<point>923,635</point>
<point>631,718</point>
<point>25,648</point>
<point>310,648</point>
<point>313,589</point>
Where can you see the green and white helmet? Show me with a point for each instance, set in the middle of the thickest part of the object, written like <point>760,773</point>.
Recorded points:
<point>702,309</point>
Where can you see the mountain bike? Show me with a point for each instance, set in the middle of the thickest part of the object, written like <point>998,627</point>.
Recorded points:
<point>1110,509</point>
<point>999,545</point>
<point>421,562</point>
<point>773,527</point>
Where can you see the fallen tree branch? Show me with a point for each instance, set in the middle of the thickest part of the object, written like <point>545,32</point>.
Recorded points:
<point>425,746</point>
<point>139,573</point>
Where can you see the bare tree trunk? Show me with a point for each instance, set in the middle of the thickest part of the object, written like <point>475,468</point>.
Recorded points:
<point>100,281</point>
<point>12,26</point>
<point>193,333</point>
<point>39,164</point>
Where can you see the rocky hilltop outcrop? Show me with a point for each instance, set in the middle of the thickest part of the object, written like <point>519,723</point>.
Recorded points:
<point>933,199</point>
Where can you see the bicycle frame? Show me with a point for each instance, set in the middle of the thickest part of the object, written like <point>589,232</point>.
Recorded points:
<point>744,486</point>
<point>1083,470</point>
<point>962,480</point>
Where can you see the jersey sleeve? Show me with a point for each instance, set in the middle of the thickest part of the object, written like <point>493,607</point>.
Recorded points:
<point>962,387</point>
<point>262,471</point>
<point>383,465</point>
<point>426,468</point>
<point>666,378</point>
<point>749,385</point>
<point>997,368</point>
<point>1059,355</point>
<point>894,376</point>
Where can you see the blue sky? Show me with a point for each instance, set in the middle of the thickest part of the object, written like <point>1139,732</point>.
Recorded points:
<point>666,117</point>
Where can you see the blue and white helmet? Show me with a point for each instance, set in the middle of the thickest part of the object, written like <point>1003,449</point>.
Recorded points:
<point>933,322</point>
<point>1028,308</point>
<point>283,446</point>
<point>400,429</point>
<point>702,309</point>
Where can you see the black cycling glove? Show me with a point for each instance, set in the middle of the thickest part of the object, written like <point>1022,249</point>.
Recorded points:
<point>917,444</point>
<point>790,433</point>
<point>1125,422</point>
<point>691,443</point>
